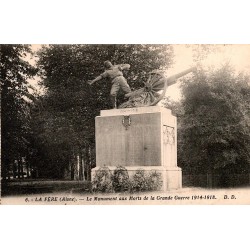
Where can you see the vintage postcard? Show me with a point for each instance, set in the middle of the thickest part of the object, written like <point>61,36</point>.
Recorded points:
<point>125,124</point>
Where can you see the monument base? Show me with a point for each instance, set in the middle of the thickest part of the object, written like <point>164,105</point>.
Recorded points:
<point>139,138</point>
<point>171,177</point>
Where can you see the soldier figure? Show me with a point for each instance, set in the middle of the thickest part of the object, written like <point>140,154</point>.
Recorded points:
<point>114,73</point>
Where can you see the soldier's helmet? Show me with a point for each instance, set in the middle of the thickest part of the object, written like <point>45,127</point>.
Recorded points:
<point>108,64</point>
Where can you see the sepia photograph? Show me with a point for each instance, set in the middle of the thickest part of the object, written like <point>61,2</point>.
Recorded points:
<point>125,124</point>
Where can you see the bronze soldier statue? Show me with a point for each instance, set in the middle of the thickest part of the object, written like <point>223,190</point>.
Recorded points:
<point>118,81</point>
<point>153,91</point>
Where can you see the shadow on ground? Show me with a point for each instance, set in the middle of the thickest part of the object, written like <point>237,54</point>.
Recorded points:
<point>28,187</point>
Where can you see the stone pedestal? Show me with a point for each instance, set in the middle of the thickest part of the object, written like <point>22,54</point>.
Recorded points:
<point>139,138</point>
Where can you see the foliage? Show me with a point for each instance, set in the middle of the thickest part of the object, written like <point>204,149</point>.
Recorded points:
<point>139,181</point>
<point>142,181</point>
<point>202,51</point>
<point>214,126</point>
<point>154,180</point>
<point>15,71</point>
<point>175,106</point>
<point>121,179</point>
<point>102,181</point>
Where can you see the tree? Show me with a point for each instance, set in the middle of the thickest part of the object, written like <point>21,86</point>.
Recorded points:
<point>214,133</point>
<point>66,126</point>
<point>202,51</point>
<point>15,71</point>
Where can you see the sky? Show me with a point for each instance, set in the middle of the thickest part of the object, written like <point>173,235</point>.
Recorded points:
<point>238,55</point>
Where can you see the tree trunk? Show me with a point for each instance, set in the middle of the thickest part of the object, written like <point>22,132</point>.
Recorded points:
<point>72,165</point>
<point>3,172</point>
<point>8,169</point>
<point>80,165</point>
<point>28,168</point>
<point>83,165</point>
<point>77,166</point>
<point>14,169</point>
<point>90,164</point>
<point>72,168</point>
<point>210,178</point>
<point>21,167</point>
<point>4,169</point>
<point>87,162</point>
<point>18,169</point>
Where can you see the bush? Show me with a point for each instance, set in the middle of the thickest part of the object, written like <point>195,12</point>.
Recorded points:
<point>102,181</point>
<point>139,181</point>
<point>154,181</point>
<point>105,182</point>
<point>121,179</point>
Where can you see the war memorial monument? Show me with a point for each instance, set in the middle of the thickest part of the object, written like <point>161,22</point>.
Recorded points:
<point>140,135</point>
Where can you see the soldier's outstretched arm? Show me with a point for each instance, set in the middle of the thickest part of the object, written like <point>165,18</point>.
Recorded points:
<point>98,78</point>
